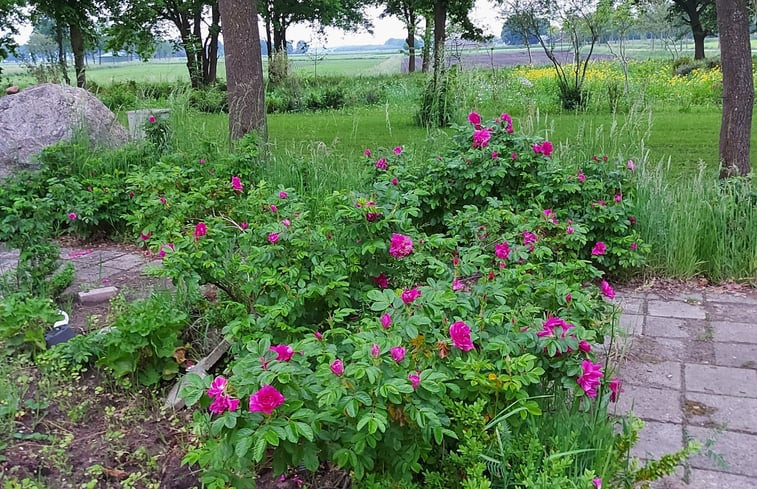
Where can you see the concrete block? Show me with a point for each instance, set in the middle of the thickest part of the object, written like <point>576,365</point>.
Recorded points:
<point>736,450</point>
<point>740,355</point>
<point>675,309</point>
<point>97,296</point>
<point>665,375</point>
<point>734,413</point>
<point>651,404</point>
<point>737,382</point>
<point>657,439</point>
<point>734,332</point>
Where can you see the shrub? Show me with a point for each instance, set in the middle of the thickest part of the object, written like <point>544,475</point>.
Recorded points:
<point>24,321</point>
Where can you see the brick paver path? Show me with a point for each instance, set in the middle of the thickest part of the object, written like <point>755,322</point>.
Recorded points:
<point>690,372</point>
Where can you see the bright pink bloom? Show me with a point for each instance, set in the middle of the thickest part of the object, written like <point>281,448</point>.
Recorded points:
<point>481,138</point>
<point>409,295</point>
<point>457,285</point>
<point>514,155</point>
<point>381,164</point>
<point>398,353</point>
<point>631,166</point>
<point>590,380</point>
<point>162,200</point>
<point>244,225</point>
<point>460,334</point>
<point>597,482</point>
<point>337,367</point>
<point>145,236</point>
<point>381,281</point>
<point>568,297</point>
<point>375,351</point>
<point>152,119</point>
<point>236,184</point>
<point>581,176</point>
<point>273,238</point>
<point>415,380</point>
<point>386,321</point>
<point>605,158</point>
<point>599,249</point>
<point>616,387</point>
<point>584,346</point>
<point>395,181</point>
<point>632,220</point>
<point>634,246</point>
<point>401,245</point>
<point>283,195</point>
<point>367,152</point>
<point>200,230</point>
<point>548,327</point>
<point>509,122</point>
<point>318,335</point>
<point>618,198</point>
<point>455,261</point>
<point>164,248</point>
<point>266,400</point>
<point>474,119</point>
<point>529,238</point>
<point>202,161</point>
<point>546,148</point>
<point>502,250</point>
<point>569,230</point>
<point>284,352</point>
<point>495,155</point>
<point>601,203</point>
<point>223,403</point>
<point>607,290</point>
<point>398,150</point>
<point>286,222</point>
<point>217,387</point>
<point>547,212</point>
<point>273,208</point>
<point>72,216</point>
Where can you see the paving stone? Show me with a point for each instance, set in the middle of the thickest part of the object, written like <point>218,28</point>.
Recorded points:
<point>736,449</point>
<point>729,331</point>
<point>675,309</point>
<point>657,439</point>
<point>739,382</point>
<point>651,404</point>
<point>739,355</point>
<point>631,324</point>
<point>709,479</point>
<point>732,298</point>
<point>631,305</point>
<point>689,296</point>
<point>657,350</point>
<point>95,274</point>
<point>666,327</point>
<point>126,262</point>
<point>665,375</point>
<point>742,313</point>
<point>733,413</point>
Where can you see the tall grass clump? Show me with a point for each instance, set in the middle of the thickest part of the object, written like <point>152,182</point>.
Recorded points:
<point>697,224</point>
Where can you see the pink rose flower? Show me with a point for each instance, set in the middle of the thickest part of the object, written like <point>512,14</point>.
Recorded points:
<point>375,351</point>
<point>415,380</point>
<point>273,238</point>
<point>273,208</point>
<point>395,181</point>
<point>631,166</point>
<point>590,380</point>
<point>200,230</point>
<point>283,195</point>
<point>381,281</point>
<point>634,246</point>
<point>381,164</point>
<point>266,400</point>
<point>367,152</point>
<point>244,225</point>
<point>152,119</point>
<point>409,295</point>
<point>481,138</point>
<point>318,335</point>
<point>286,223</point>
<point>460,334</point>
<point>474,119</point>
<point>72,216</point>
<point>600,248</point>
<point>615,388</point>
<point>217,387</point>
<point>337,367</point>
<point>495,155</point>
<point>236,184</point>
<point>457,285</point>
<point>607,290</point>
<point>401,245</point>
<point>569,230</point>
<point>283,352</point>
<point>398,353</point>
<point>145,236</point>
<point>398,150</point>
<point>502,250</point>
<point>386,321</point>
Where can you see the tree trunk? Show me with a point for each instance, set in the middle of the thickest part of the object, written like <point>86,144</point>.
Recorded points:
<point>244,68</point>
<point>77,47</point>
<point>61,52</point>
<point>429,30</point>
<point>411,48</point>
<point>210,57</point>
<point>268,42</point>
<point>279,69</point>
<point>738,86</point>
<point>698,32</point>
<point>440,23</point>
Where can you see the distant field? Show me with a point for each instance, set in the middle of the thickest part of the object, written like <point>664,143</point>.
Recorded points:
<point>176,70</point>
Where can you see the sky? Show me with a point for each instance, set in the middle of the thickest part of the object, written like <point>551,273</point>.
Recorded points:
<point>485,15</point>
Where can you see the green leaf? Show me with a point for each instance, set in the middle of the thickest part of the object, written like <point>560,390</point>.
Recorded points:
<point>243,446</point>
<point>259,450</point>
<point>272,438</point>
<point>305,430</point>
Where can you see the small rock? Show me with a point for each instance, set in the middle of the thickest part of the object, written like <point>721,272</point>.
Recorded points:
<point>12,90</point>
<point>97,296</point>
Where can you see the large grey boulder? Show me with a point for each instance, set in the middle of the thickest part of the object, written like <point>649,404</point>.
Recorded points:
<point>45,114</point>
